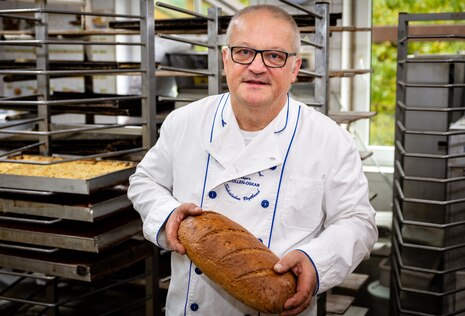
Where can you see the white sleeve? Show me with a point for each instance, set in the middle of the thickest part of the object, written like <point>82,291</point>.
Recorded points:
<point>150,187</point>
<point>350,230</point>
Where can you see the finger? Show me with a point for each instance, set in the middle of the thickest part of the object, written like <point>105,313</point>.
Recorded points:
<point>172,225</point>
<point>297,310</point>
<point>171,231</point>
<point>195,211</point>
<point>297,299</point>
<point>285,264</point>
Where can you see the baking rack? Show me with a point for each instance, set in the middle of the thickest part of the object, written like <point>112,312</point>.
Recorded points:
<point>45,103</point>
<point>214,26</point>
<point>70,235</point>
<point>427,265</point>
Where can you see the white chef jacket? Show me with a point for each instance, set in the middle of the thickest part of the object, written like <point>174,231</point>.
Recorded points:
<point>298,184</point>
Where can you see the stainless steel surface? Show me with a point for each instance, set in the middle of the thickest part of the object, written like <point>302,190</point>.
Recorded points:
<point>186,70</point>
<point>59,73</point>
<point>43,82</point>
<point>43,9</point>
<point>148,79</point>
<point>76,186</point>
<point>66,238</point>
<point>63,206</point>
<point>310,73</point>
<point>316,14</point>
<point>428,270</point>
<point>69,101</point>
<point>10,245</point>
<point>184,40</point>
<point>20,17</point>
<point>322,56</point>
<point>88,237</point>
<point>321,44</point>
<point>36,294</point>
<point>310,43</point>
<point>178,9</point>
<point>77,266</point>
<point>214,54</point>
<point>65,42</point>
<point>30,220</point>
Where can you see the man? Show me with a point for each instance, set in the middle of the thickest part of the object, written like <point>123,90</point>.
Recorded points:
<point>287,173</point>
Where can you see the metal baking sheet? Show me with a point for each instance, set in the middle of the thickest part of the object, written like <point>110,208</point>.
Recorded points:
<point>90,237</point>
<point>77,265</point>
<point>76,186</point>
<point>86,208</point>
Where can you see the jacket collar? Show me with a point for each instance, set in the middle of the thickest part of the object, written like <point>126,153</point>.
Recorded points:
<point>265,151</point>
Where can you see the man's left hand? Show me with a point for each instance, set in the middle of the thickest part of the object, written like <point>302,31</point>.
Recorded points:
<point>300,265</point>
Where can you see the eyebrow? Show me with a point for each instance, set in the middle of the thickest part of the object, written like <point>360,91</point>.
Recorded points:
<point>249,46</point>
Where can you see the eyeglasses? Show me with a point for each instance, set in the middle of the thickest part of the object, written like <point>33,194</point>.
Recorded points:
<point>270,57</point>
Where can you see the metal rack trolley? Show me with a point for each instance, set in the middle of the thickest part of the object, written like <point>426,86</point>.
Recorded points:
<point>47,196</point>
<point>427,263</point>
<point>42,72</point>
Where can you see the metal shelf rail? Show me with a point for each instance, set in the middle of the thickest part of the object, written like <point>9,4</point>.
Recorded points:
<point>43,101</point>
<point>214,43</point>
<point>321,45</point>
<point>40,264</point>
<point>427,265</point>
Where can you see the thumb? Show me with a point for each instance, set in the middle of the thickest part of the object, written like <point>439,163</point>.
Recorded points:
<point>284,264</point>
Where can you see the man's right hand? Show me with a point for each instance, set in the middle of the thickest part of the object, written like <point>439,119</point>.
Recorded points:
<point>172,225</point>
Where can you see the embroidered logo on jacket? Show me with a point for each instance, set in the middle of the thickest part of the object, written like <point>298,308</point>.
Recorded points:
<point>243,189</point>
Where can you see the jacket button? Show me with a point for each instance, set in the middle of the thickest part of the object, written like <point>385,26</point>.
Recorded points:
<point>194,307</point>
<point>212,194</point>
<point>265,203</point>
<point>273,168</point>
<point>198,271</point>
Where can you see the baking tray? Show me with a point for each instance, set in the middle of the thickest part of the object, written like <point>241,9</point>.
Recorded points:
<point>82,144</point>
<point>86,208</point>
<point>77,265</point>
<point>89,237</point>
<point>77,186</point>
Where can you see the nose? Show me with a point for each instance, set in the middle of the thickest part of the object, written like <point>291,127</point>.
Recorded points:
<point>257,64</point>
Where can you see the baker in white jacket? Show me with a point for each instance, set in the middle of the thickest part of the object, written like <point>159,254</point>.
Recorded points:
<point>287,173</point>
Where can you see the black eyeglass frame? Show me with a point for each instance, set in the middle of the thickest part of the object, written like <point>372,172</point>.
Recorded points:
<point>260,51</point>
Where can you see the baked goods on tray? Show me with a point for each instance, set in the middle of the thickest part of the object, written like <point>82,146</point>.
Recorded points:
<point>78,169</point>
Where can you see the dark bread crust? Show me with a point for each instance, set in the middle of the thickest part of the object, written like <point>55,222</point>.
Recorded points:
<point>237,261</point>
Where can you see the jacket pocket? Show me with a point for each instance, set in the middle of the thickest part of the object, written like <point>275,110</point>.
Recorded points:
<point>303,203</point>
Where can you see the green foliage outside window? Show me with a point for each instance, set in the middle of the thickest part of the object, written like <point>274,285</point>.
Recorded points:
<point>384,59</point>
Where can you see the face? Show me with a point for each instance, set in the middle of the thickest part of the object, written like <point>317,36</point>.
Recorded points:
<point>256,85</point>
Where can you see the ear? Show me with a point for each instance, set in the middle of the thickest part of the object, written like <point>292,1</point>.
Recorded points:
<point>296,68</point>
<point>224,54</point>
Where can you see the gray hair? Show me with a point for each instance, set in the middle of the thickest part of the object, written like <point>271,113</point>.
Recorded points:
<point>276,12</point>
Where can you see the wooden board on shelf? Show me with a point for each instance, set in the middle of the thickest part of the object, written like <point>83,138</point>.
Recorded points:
<point>338,304</point>
<point>353,282</point>
<point>353,311</point>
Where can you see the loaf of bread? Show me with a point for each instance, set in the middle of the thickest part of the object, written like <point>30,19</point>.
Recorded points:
<point>237,261</point>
